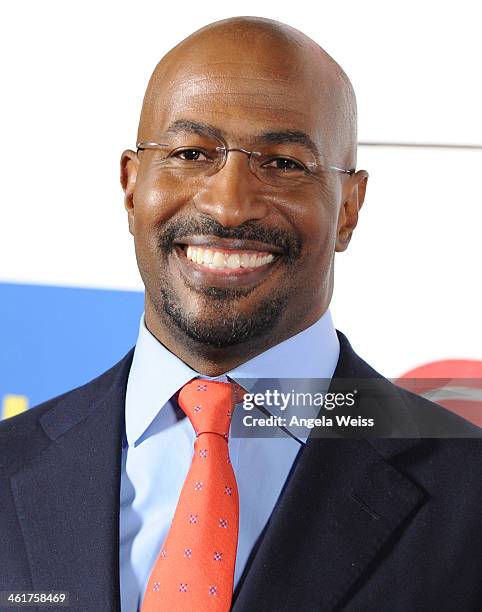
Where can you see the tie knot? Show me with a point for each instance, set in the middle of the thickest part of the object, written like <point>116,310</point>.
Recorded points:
<point>208,405</point>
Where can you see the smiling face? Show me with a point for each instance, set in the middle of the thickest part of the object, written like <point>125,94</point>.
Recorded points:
<point>236,250</point>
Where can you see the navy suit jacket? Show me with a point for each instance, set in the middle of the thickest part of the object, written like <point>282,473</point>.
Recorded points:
<point>361,524</point>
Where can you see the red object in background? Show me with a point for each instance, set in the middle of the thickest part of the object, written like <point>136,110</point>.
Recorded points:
<point>455,384</point>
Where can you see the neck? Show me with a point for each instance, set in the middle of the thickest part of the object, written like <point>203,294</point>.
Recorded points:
<point>213,361</point>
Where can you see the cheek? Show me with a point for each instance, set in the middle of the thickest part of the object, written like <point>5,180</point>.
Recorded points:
<point>154,205</point>
<point>322,220</point>
<point>316,224</point>
<point>316,264</point>
<point>319,253</point>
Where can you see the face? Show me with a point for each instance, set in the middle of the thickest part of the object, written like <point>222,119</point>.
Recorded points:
<point>229,258</point>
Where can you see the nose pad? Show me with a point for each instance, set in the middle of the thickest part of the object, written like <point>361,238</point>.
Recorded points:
<point>232,195</point>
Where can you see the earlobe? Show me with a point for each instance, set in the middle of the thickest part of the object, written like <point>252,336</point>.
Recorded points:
<point>343,239</point>
<point>129,165</point>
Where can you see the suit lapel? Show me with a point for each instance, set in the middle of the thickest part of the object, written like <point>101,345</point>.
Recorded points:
<point>67,498</point>
<point>342,503</point>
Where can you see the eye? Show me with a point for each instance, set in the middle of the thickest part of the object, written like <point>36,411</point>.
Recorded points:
<point>190,154</point>
<point>285,164</point>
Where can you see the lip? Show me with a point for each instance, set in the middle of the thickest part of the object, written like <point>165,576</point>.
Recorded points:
<point>228,244</point>
<point>198,275</point>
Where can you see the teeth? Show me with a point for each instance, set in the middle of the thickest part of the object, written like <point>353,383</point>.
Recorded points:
<point>233,261</point>
<point>218,259</point>
<point>245,259</point>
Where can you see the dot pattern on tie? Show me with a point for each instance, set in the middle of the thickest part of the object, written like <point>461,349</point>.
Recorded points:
<point>194,570</point>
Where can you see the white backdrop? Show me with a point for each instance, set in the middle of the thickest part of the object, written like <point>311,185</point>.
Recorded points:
<point>73,78</point>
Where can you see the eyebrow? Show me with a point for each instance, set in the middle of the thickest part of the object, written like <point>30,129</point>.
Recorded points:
<point>186,125</point>
<point>289,136</point>
<point>271,137</point>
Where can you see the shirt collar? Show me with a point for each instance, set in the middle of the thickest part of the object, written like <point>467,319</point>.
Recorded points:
<point>156,374</point>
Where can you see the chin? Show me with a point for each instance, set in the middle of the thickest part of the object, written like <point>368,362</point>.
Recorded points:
<point>220,325</point>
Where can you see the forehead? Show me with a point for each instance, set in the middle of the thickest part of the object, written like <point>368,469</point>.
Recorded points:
<point>243,98</point>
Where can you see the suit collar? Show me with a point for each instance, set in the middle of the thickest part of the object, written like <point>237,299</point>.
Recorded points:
<point>389,402</point>
<point>112,385</point>
<point>74,407</point>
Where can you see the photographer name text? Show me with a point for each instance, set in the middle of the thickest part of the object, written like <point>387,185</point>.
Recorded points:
<point>323,421</point>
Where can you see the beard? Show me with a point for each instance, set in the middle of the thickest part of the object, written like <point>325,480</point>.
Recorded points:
<point>221,323</point>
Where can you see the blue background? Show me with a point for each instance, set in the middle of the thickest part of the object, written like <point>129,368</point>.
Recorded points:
<point>56,338</point>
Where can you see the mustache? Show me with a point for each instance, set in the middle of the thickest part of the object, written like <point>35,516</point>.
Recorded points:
<point>175,229</point>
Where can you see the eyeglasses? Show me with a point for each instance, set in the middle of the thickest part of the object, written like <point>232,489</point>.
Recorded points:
<point>197,156</point>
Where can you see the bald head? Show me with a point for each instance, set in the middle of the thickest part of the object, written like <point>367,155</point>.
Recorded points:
<point>263,66</point>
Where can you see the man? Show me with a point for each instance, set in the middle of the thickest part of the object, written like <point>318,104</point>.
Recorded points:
<point>242,188</point>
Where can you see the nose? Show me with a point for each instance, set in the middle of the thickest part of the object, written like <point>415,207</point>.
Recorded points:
<point>232,195</point>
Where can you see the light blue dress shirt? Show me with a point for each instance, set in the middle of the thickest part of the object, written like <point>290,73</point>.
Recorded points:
<point>158,448</point>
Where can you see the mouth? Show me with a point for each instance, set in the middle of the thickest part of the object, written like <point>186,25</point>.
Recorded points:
<point>215,261</point>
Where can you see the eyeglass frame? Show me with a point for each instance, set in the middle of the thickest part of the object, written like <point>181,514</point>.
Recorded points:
<point>148,145</point>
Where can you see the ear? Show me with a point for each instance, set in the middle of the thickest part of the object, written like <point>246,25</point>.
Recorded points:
<point>353,196</point>
<point>129,166</point>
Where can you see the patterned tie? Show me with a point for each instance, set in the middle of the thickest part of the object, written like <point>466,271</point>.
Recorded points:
<point>194,570</point>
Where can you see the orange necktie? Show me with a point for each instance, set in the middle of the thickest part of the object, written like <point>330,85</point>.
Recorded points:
<point>194,570</point>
